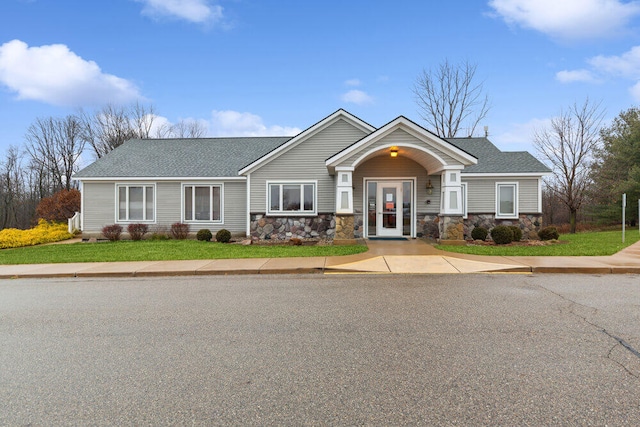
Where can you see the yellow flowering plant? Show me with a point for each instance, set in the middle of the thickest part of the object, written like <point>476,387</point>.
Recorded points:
<point>44,232</point>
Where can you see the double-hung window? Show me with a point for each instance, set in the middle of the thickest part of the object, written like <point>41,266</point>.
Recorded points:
<point>202,203</point>
<point>507,200</point>
<point>291,198</point>
<point>136,202</point>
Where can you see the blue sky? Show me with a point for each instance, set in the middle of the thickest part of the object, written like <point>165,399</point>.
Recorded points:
<point>252,67</point>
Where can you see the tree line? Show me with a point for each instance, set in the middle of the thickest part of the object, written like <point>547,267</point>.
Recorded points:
<point>54,148</point>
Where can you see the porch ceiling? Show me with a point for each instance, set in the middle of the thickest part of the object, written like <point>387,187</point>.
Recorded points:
<point>430,161</point>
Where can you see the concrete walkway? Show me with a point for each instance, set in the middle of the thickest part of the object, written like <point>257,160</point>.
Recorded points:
<point>402,257</point>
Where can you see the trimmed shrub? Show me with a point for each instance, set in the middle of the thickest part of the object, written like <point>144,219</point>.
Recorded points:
<point>502,235</point>
<point>204,235</point>
<point>112,232</point>
<point>517,233</point>
<point>223,236</point>
<point>548,233</point>
<point>137,231</point>
<point>179,230</point>
<point>479,233</point>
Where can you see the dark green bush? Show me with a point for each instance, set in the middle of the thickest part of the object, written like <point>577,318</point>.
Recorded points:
<point>548,233</point>
<point>179,230</point>
<point>223,236</point>
<point>502,235</point>
<point>112,232</point>
<point>517,233</point>
<point>204,235</point>
<point>137,231</point>
<point>479,233</point>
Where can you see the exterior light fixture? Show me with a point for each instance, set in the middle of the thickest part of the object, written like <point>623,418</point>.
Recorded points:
<point>394,152</point>
<point>429,187</point>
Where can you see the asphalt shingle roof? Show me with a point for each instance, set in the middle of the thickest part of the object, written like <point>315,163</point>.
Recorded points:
<point>199,157</point>
<point>492,160</point>
<point>224,157</point>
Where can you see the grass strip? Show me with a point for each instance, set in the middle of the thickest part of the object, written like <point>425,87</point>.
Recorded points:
<point>148,250</point>
<point>593,243</point>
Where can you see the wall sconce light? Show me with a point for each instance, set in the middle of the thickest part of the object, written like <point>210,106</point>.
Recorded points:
<point>394,152</point>
<point>429,187</point>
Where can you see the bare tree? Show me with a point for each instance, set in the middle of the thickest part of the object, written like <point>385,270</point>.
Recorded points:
<point>450,99</point>
<point>188,128</point>
<point>55,146</point>
<point>568,145</point>
<point>111,126</point>
<point>11,189</point>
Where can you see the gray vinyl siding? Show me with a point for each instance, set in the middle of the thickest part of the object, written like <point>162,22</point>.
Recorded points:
<point>100,206</point>
<point>306,161</point>
<point>385,167</point>
<point>481,194</point>
<point>235,207</point>
<point>528,196</point>
<point>399,138</point>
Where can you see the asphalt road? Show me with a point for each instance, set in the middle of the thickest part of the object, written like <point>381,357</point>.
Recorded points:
<point>321,350</point>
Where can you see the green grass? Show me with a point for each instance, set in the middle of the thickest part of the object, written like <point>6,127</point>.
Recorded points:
<point>579,244</point>
<point>148,250</point>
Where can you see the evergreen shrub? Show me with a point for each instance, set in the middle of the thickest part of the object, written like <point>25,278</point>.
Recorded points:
<point>204,235</point>
<point>517,233</point>
<point>479,233</point>
<point>548,233</point>
<point>223,236</point>
<point>502,235</point>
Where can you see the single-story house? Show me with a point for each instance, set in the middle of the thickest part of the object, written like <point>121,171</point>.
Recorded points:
<point>339,179</point>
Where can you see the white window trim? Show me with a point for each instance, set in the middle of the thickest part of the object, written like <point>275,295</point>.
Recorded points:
<point>465,199</point>
<point>144,204</point>
<point>301,212</point>
<point>202,184</point>
<point>515,200</point>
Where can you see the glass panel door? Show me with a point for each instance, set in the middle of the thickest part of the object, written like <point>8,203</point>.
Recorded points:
<point>389,207</point>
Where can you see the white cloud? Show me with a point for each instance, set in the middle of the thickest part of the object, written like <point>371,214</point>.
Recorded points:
<point>625,65</point>
<point>55,75</point>
<point>358,97</point>
<point>568,19</point>
<point>196,11</point>
<point>234,123</point>
<point>567,76</point>
<point>353,82</point>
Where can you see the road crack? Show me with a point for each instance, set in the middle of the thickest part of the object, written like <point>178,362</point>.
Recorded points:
<point>619,341</point>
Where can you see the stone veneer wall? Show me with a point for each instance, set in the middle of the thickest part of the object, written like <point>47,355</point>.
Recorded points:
<point>456,228</point>
<point>530,224</point>
<point>358,224</point>
<point>282,228</point>
<point>344,227</point>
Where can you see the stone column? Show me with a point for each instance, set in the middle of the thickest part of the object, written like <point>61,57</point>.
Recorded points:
<point>451,230</point>
<point>345,226</point>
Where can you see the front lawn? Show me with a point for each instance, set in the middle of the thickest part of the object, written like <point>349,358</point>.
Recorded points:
<point>150,250</point>
<point>591,243</point>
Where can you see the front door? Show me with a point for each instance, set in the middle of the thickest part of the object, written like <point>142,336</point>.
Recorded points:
<point>389,219</point>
